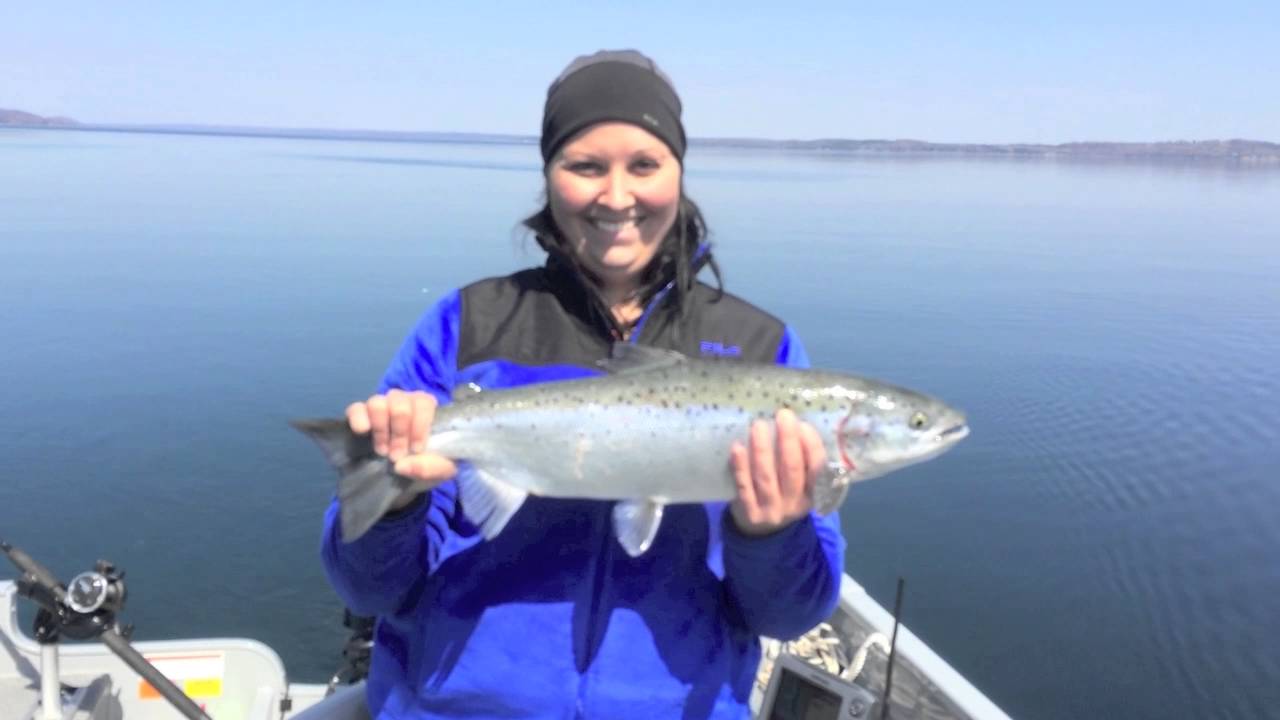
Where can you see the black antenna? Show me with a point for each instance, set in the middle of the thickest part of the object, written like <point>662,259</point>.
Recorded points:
<point>893,646</point>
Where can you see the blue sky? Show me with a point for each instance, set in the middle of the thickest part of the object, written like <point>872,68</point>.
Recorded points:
<point>961,72</point>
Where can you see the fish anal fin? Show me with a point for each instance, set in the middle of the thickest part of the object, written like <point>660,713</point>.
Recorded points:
<point>635,523</point>
<point>488,502</point>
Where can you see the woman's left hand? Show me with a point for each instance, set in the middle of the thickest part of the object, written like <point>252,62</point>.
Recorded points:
<point>775,481</point>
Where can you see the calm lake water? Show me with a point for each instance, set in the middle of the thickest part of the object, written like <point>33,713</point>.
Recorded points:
<point>1105,544</point>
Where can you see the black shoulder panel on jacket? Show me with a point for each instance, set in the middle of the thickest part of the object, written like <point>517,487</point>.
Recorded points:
<point>523,319</point>
<point>720,325</point>
<point>527,319</point>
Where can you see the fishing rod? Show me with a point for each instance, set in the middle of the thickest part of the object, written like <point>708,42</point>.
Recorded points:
<point>85,610</point>
<point>893,648</point>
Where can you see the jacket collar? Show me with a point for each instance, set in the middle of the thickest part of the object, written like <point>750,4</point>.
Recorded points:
<point>578,295</point>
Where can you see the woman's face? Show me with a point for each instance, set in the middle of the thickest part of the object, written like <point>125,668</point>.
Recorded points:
<point>614,190</point>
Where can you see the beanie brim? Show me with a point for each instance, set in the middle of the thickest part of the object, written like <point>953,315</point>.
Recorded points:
<point>611,91</point>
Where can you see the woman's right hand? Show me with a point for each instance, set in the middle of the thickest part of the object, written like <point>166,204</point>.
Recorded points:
<point>401,423</point>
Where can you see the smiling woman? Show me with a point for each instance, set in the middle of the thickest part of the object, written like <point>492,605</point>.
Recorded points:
<point>616,211</point>
<point>671,631</point>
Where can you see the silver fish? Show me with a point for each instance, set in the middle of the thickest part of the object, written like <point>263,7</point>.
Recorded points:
<point>655,429</point>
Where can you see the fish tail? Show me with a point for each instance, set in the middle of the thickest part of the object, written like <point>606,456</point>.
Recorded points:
<point>367,484</point>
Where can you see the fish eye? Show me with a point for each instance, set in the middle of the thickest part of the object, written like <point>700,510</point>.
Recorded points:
<point>918,421</point>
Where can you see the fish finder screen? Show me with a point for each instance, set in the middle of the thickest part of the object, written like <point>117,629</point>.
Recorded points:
<point>799,699</point>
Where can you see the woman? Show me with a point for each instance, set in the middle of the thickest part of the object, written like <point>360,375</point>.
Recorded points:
<point>552,618</point>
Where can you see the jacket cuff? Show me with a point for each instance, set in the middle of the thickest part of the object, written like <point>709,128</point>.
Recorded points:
<point>773,544</point>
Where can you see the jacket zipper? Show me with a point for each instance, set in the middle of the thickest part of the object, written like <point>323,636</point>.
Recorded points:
<point>603,565</point>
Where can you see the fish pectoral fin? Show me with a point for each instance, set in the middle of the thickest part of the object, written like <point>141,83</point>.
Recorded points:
<point>488,502</point>
<point>635,523</point>
<point>627,358</point>
<point>830,488</point>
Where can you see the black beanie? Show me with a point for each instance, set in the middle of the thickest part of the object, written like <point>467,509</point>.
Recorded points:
<point>611,85</point>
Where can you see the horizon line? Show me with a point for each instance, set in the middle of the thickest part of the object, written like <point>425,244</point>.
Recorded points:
<point>61,122</point>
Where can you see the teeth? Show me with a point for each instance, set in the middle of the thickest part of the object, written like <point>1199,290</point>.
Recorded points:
<point>613,226</point>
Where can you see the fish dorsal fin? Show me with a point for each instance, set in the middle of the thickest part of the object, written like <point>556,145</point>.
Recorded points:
<point>488,502</point>
<point>635,523</point>
<point>629,358</point>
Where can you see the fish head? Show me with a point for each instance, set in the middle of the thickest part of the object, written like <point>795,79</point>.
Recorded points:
<point>888,428</point>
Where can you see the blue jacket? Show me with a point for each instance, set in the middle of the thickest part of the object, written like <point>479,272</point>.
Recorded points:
<point>552,619</point>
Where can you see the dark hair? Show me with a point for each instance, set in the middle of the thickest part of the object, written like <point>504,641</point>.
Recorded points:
<point>683,253</point>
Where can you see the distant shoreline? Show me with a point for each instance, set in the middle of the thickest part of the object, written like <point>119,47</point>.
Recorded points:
<point>1245,152</point>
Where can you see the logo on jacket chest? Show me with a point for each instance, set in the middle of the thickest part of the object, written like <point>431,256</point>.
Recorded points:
<point>711,347</point>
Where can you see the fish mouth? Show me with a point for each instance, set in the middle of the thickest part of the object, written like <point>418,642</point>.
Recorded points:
<point>954,434</point>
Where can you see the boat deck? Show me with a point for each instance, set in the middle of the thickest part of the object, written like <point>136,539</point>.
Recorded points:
<point>245,680</point>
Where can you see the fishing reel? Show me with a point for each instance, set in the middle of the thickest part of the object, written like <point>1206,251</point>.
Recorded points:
<point>87,609</point>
